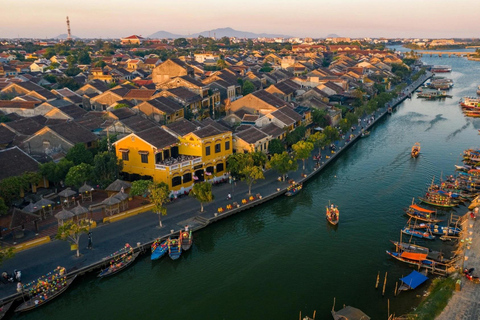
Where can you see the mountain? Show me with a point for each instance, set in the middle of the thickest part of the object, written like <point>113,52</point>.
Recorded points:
<point>164,35</point>
<point>64,36</point>
<point>333,35</point>
<point>218,33</point>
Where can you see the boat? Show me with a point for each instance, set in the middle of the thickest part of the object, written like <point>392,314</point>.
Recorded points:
<point>420,260</point>
<point>349,313</point>
<point>120,261</point>
<point>159,248</point>
<point>475,203</point>
<point>443,230</point>
<point>412,281</point>
<point>470,102</point>
<point>433,94</point>
<point>419,234</point>
<point>293,189</point>
<point>478,90</point>
<point>438,200</point>
<point>174,248</point>
<point>422,214</point>
<point>187,239</point>
<point>441,69</point>
<point>333,214</point>
<point>365,134</point>
<point>414,248</point>
<point>45,289</point>
<point>415,150</point>
<point>4,309</point>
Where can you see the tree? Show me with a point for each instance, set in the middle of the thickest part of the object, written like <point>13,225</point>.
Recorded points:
<point>318,139</point>
<point>247,87</point>
<point>302,149</point>
<point>79,154</point>
<point>202,191</point>
<point>276,146</point>
<point>235,163</point>
<point>140,187</point>
<point>71,231</point>
<point>266,67</point>
<point>6,253</point>
<point>49,52</point>
<point>120,106</point>
<point>78,175</point>
<point>84,57</point>
<point>320,117</point>
<point>100,64</point>
<point>72,71</point>
<point>71,60</point>
<point>159,193</point>
<point>3,207</point>
<point>68,83</point>
<point>106,167</point>
<point>282,163</point>
<point>331,133</point>
<point>221,64</point>
<point>344,125</point>
<point>55,172</point>
<point>251,174</point>
<point>180,42</point>
<point>11,187</point>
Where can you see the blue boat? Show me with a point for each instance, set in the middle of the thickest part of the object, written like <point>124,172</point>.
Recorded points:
<point>159,248</point>
<point>417,233</point>
<point>412,281</point>
<point>443,230</point>
<point>174,248</point>
<point>293,189</point>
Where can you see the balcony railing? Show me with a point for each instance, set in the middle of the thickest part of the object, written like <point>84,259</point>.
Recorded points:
<point>175,163</point>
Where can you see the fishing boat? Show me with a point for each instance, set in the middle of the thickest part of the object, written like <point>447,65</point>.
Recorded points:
<point>414,248</point>
<point>422,214</point>
<point>433,94</point>
<point>333,214</point>
<point>4,309</point>
<point>470,102</point>
<point>187,239</point>
<point>174,248</point>
<point>159,248</point>
<point>412,281</point>
<point>349,313</point>
<point>45,289</point>
<point>475,203</point>
<point>438,200</point>
<point>420,260</point>
<point>441,69</point>
<point>120,260</point>
<point>443,230</point>
<point>293,189</point>
<point>415,150</point>
<point>419,234</point>
<point>365,134</point>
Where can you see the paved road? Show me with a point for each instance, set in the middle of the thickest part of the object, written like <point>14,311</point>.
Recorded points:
<point>143,228</point>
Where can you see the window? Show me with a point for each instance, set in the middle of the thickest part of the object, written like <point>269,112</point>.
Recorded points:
<point>125,156</point>
<point>217,148</point>
<point>176,181</point>
<point>144,157</point>
<point>219,167</point>
<point>207,151</point>
<point>227,145</point>
<point>187,177</point>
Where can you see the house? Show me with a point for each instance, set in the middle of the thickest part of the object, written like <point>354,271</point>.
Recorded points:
<point>250,140</point>
<point>285,90</point>
<point>131,124</point>
<point>133,39</point>
<point>190,101</point>
<point>23,108</point>
<point>161,109</point>
<point>134,64</point>
<point>171,68</point>
<point>258,102</point>
<point>180,162</point>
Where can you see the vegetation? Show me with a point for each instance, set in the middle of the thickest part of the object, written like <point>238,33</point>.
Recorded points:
<point>79,154</point>
<point>295,136</point>
<point>320,117</point>
<point>56,172</point>
<point>302,150</point>
<point>5,254</point>
<point>3,207</point>
<point>282,163</point>
<point>71,231</point>
<point>106,168</point>
<point>276,146</point>
<point>202,191</point>
<point>79,174</point>
<point>12,187</point>
<point>159,193</point>
<point>140,188</point>
<point>251,173</point>
<point>247,87</point>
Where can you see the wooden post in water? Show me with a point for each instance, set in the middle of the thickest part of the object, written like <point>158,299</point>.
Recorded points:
<point>378,279</point>
<point>384,284</point>
<point>396,284</point>
<point>300,316</point>
<point>388,308</point>
<point>314,313</point>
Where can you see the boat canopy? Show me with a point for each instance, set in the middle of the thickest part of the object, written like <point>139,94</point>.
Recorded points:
<point>414,279</point>
<point>350,313</point>
<point>420,209</point>
<point>414,256</point>
<point>453,195</point>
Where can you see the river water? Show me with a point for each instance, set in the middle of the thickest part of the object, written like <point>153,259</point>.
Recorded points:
<point>282,258</point>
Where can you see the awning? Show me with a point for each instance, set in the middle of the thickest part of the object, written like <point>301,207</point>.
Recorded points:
<point>420,209</point>
<point>143,152</point>
<point>123,150</point>
<point>414,256</point>
<point>414,279</point>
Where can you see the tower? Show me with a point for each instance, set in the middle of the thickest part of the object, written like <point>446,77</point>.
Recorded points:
<point>69,37</point>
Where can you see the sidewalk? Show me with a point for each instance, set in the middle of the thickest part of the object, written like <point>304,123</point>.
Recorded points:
<point>142,229</point>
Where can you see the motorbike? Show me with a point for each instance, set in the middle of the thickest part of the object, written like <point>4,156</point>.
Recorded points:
<point>469,275</point>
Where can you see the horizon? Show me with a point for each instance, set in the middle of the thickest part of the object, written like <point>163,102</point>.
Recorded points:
<point>315,19</point>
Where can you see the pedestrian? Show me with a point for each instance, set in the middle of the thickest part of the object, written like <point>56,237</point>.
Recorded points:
<point>19,287</point>
<point>229,196</point>
<point>90,244</point>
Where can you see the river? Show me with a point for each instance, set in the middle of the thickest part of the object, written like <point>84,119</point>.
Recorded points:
<point>282,258</point>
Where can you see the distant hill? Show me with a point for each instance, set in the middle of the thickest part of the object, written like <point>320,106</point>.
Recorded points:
<point>218,33</point>
<point>332,35</point>
<point>64,36</point>
<point>164,35</point>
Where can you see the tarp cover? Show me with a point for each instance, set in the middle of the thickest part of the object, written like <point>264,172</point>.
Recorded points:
<point>414,279</point>
<point>420,209</point>
<point>350,313</point>
<point>414,256</point>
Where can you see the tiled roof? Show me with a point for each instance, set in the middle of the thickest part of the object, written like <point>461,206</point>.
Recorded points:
<point>251,135</point>
<point>182,127</point>
<point>26,126</point>
<point>272,130</point>
<point>185,94</point>
<point>73,132</point>
<point>141,94</point>
<point>207,131</point>
<point>94,121</point>
<point>6,135</point>
<point>157,137</point>
<point>269,98</point>
<point>122,113</point>
<point>15,162</point>
<point>137,123</point>
<point>19,104</point>
<point>192,81</point>
<point>210,122</point>
<point>165,105</point>
<point>73,111</point>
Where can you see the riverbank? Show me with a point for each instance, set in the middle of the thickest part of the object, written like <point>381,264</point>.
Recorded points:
<point>141,228</point>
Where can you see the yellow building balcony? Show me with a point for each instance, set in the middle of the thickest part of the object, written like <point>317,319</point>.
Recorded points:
<point>172,164</point>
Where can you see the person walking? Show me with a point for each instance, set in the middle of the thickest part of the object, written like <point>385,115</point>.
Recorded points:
<point>90,244</point>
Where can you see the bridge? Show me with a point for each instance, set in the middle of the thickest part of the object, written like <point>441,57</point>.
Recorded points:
<point>447,53</point>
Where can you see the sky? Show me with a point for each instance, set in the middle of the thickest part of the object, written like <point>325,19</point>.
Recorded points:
<point>299,18</point>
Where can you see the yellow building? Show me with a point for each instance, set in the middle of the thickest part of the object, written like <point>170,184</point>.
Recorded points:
<point>176,160</point>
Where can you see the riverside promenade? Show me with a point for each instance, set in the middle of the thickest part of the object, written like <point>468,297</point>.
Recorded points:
<point>140,230</point>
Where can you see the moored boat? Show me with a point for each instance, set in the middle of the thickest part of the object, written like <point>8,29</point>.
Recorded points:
<point>187,239</point>
<point>438,200</point>
<point>441,69</point>
<point>414,248</point>
<point>415,150</point>
<point>120,260</point>
<point>4,309</point>
<point>293,189</point>
<point>365,134</point>
<point>419,234</point>
<point>45,289</point>
<point>349,313</point>
<point>174,248</point>
<point>422,214</point>
<point>159,248</point>
<point>333,214</point>
<point>412,281</point>
<point>420,260</point>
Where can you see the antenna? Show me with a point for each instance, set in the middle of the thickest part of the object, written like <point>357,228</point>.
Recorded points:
<point>69,37</point>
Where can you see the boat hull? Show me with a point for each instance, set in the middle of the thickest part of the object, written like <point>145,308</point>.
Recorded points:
<point>110,272</point>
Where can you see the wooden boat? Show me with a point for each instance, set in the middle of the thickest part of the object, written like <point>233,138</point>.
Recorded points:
<point>159,248</point>
<point>420,260</point>
<point>187,239</point>
<point>293,189</point>
<point>4,309</point>
<point>443,230</point>
<point>46,289</point>
<point>414,248</point>
<point>365,134</point>
<point>422,214</point>
<point>419,234</point>
<point>475,203</point>
<point>122,259</point>
<point>174,248</point>
<point>412,281</point>
<point>415,150</point>
<point>349,313</point>
<point>333,214</point>
<point>438,200</point>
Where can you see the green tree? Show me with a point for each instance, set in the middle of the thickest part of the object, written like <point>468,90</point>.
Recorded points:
<point>79,154</point>
<point>221,64</point>
<point>84,57</point>
<point>106,168</point>
<point>71,231</point>
<point>140,187</point>
<point>159,196</point>
<point>276,146</point>
<point>202,191</point>
<point>79,174</point>
<point>67,83</point>
<point>331,133</point>
<point>121,105</point>
<point>251,174</point>
<point>257,158</point>
<point>5,254</point>
<point>100,64</point>
<point>3,207</point>
<point>282,163</point>
<point>71,60</point>
<point>317,139</point>
<point>320,117</point>
<point>302,149</point>
<point>247,87</point>
<point>49,52</point>
<point>11,187</point>
<point>266,67</point>
<point>235,163</point>
<point>72,71</point>
<point>344,125</point>
<point>180,42</point>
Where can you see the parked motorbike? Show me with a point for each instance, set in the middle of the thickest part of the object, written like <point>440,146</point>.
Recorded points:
<point>469,275</point>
